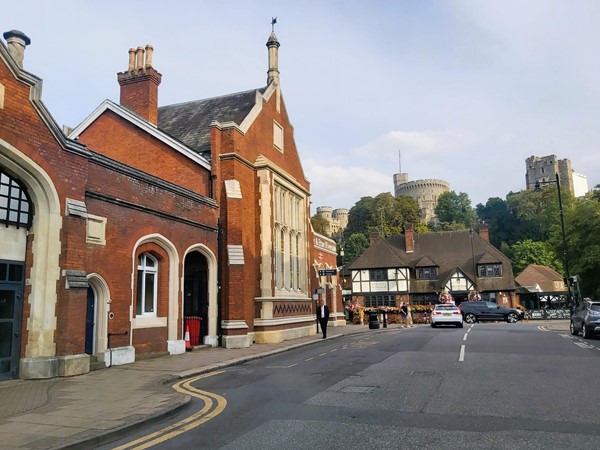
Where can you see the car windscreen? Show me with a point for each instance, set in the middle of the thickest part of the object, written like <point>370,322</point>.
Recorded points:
<point>595,307</point>
<point>446,307</point>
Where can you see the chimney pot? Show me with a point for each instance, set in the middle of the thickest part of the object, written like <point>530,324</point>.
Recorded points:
<point>149,50</point>
<point>139,58</point>
<point>131,59</point>
<point>17,41</point>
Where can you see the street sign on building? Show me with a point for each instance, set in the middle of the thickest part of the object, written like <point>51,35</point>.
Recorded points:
<point>327,272</point>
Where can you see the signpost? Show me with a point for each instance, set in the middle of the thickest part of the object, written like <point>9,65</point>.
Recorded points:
<point>327,272</point>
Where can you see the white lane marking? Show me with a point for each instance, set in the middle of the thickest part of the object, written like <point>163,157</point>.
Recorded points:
<point>281,367</point>
<point>309,359</point>
<point>470,329</point>
<point>322,354</point>
<point>334,350</point>
<point>462,353</point>
<point>465,337</point>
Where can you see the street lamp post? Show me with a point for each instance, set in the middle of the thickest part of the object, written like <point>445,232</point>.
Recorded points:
<point>562,229</point>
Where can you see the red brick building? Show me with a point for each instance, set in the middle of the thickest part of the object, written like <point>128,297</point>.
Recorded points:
<point>146,222</point>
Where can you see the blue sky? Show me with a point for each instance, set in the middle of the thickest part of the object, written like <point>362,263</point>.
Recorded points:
<point>466,90</point>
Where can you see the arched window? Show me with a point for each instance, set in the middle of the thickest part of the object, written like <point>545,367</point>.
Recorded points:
<point>147,285</point>
<point>15,208</point>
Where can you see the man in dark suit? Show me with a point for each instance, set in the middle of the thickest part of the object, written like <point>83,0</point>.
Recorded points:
<point>323,316</point>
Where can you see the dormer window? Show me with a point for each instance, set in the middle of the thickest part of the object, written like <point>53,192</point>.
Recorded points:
<point>489,270</point>
<point>427,273</point>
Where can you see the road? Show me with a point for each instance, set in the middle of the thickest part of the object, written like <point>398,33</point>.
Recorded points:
<point>489,385</point>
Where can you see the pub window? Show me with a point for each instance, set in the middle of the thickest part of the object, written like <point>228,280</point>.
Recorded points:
<point>427,273</point>
<point>373,301</point>
<point>490,270</point>
<point>378,275</point>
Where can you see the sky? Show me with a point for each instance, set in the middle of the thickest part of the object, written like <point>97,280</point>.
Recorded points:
<point>458,90</point>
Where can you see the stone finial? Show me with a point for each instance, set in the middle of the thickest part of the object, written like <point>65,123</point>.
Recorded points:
<point>273,46</point>
<point>17,41</point>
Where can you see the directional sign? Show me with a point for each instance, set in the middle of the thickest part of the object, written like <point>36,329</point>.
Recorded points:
<point>327,272</point>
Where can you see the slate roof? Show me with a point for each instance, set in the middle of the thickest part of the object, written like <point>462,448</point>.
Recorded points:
<point>448,250</point>
<point>190,122</point>
<point>543,276</point>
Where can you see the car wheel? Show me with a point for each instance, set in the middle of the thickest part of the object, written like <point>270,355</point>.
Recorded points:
<point>574,332</point>
<point>512,318</point>
<point>584,332</point>
<point>470,318</point>
<point>433,325</point>
<point>460,325</point>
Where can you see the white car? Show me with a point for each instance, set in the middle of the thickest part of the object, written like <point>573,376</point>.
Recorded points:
<point>446,314</point>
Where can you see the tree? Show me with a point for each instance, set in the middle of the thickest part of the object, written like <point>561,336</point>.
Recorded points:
<point>389,213</point>
<point>384,214</point>
<point>528,252</point>
<point>320,225</point>
<point>355,246</point>
<point>499,219</point>
<point>359,217</point>
<point>583,243</point>
<point>454,211</point>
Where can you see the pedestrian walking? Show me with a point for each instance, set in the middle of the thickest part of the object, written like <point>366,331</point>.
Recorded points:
<point>409,319</point>
<point>403,314</point>
<point>323,317</point>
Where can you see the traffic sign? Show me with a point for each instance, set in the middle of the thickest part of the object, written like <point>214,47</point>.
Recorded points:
<point>327,272</point>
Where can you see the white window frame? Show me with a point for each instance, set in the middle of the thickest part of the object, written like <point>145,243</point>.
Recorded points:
<point>144,269</point>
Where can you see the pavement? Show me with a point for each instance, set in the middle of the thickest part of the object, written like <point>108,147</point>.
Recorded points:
<point>90,410</point>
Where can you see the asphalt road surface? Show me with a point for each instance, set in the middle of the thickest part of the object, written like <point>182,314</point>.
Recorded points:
<point>486,386</point>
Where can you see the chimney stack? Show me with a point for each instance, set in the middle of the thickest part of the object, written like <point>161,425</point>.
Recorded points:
<point>409,237</point>
<point>139,84</point>
<point>373,238</point>
<point>17,41</point>
<point>484,231</point>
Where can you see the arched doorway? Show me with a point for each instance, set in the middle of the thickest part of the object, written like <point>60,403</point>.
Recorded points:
<point>195,296</point>
<point>15,219</point>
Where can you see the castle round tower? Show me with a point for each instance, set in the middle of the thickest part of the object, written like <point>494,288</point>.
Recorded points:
<point>425,192</point>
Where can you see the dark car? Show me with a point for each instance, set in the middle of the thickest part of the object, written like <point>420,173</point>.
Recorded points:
<point>478,311</point>
<point>586,319</point>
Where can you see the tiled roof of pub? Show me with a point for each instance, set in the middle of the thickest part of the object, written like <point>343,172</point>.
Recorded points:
<point>543,276</point>
<point>190,122</point>
<point>449,250</point>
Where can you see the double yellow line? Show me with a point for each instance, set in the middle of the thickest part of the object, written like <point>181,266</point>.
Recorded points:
<point>213,406</point>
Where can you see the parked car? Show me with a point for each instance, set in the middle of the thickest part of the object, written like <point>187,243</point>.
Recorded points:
<point>586,319</point>
<point>480,311</point>
<point>446,314</point>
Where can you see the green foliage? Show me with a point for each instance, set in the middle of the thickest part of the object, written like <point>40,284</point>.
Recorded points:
<point>454,212</point>
<point>320,225</point>
<point>528,252</point>
<point>526,227</point>
<point>583,243</point>
<point>384,214</point>
<point>356,244</point>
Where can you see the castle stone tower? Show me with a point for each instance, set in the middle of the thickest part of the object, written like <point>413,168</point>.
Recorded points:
<point>425,192</point>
